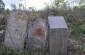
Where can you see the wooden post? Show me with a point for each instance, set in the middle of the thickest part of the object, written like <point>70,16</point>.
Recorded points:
<point>58,34</point>
<point>16,30</point>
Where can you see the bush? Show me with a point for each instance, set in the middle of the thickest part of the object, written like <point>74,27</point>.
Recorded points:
<point>82,29</point>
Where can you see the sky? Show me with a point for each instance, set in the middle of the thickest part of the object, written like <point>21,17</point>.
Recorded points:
<point>38,4</point>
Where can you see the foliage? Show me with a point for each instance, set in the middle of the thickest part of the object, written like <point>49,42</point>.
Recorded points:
<point>74,16</point>
<point>13,6</point>
<point>82,29</point>
<point>32,9</point>
<point>58,3</point>
<point>2,6</point>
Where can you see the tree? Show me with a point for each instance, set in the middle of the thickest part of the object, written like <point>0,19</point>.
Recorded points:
<point>58,3</point>
<point>2,6</point>
<point>32,9</point>
<point>81,2</point>
<point>13,6</point>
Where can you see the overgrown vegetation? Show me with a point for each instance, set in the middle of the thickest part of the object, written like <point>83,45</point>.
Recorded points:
<point>74,16</point>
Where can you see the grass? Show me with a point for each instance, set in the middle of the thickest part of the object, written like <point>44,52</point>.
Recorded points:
<point>82,29</point>
<point>14,52</point>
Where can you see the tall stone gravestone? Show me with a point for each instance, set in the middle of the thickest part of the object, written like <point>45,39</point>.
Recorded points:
<point>58,34</point>
<point>37,35</point>
<point>16,30</point>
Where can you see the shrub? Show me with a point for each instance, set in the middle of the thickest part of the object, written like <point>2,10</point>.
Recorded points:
<point>82,29</point>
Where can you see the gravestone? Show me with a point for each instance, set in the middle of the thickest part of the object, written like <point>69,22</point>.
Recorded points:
<point>37,35</point>
<point>16,30</point>
<point>58,34</point>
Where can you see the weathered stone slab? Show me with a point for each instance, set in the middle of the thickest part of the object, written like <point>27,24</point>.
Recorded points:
<point>16,31</point>
<point>58,34</point>
<point>37,35</point>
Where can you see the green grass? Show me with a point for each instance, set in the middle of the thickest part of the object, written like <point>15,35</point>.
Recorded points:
<point>82,29</point>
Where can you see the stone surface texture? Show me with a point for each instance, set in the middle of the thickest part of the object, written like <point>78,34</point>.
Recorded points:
<point>37,35</point>
<point>16,31</point>
<point>58,34</point>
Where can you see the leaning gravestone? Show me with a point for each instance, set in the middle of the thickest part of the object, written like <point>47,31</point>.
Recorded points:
<point>37,35</point>
<point>16,30</point>
<point>58,34</point>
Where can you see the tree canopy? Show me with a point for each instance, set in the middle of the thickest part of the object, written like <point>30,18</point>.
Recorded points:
<point>2,5</point>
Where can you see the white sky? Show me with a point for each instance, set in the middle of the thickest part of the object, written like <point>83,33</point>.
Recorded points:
<point>38,4</point>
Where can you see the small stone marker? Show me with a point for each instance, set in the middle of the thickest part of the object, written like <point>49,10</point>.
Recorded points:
<point>58,35</point>
<point>16,30</point>
<point>37,35</point>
